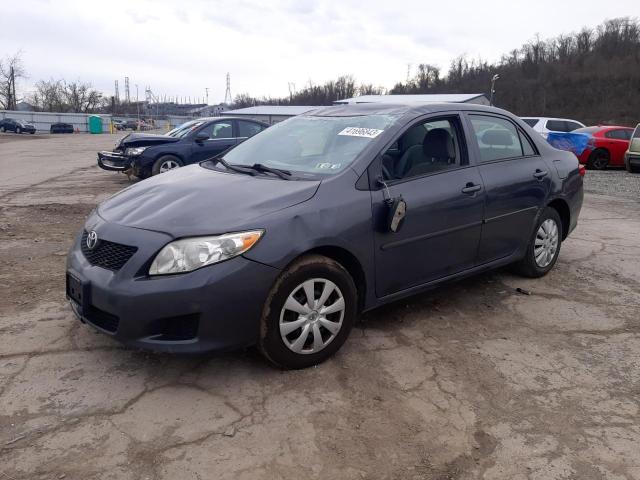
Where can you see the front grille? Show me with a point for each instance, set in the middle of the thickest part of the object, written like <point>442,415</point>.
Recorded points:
<point>102,319</point>
<point>105,254</point>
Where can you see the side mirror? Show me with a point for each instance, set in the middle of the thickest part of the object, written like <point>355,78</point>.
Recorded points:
<point>396,209</point>
<point>397,212</point>
<point>201,137</point>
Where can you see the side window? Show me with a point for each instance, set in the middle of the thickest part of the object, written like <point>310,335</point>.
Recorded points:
<point>428,147</point>
<point>557,126</point>
<point>571,126</point>
<point>527,148</point>
<point>497,138</point>
<point>617,134</point>
<point>248,129</point>
<point>219,130</point>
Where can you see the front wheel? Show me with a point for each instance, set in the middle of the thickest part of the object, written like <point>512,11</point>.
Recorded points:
<point>308,314</point>
<point>18,130</point>
<point>165,163</point>
<point>544,246</point>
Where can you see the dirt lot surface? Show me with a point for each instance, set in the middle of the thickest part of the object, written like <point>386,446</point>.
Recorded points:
<point>472,380</point>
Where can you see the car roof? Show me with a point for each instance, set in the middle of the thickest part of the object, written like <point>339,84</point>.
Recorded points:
<point>361,109</point>
<point>213,119</point>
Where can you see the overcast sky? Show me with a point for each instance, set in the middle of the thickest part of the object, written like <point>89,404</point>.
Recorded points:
<point>181,47</point>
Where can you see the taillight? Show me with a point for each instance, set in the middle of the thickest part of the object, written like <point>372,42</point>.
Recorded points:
<point>582,170</point>
<point>592,142</point>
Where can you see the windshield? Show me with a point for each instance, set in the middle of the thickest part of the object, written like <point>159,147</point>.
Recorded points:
<point>184,129</point>
<point>312,145</point>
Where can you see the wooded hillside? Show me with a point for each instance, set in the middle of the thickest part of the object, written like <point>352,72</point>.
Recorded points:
<point>592,76</point>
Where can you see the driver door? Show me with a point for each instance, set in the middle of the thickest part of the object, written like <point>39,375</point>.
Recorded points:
<point>428,166</point>
<point>221,135</point>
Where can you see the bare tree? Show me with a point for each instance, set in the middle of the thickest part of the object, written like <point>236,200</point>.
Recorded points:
<point>11,70</point>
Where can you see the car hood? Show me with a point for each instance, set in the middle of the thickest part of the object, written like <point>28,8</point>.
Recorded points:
<point>198,201</point>
<point>145,139</point>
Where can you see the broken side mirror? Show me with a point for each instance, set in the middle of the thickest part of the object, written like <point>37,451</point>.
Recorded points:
<point>396,209</point>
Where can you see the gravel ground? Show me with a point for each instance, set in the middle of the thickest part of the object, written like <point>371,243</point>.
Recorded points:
<point>472,381</point>
<point>619,183</point>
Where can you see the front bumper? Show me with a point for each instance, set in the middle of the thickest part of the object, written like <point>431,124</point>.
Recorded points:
<point>114,161</point>
<point>632,160</point>
<point>211,309</point>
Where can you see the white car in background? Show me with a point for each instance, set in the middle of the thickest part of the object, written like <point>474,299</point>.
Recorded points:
<point>544,125</point>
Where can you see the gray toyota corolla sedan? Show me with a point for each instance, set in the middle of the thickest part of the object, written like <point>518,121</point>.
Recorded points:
<point>284,240</point>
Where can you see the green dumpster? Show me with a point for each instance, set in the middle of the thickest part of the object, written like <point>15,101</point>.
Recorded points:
<point>95,124</point>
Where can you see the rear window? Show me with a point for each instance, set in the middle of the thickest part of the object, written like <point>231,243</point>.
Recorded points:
<point>557,126</point>
<point>532,122</point>
<point>571,126</point>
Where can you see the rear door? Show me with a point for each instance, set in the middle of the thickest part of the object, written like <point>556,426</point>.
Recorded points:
<point>444,196</point>
<point>517,182</point>
<point>221,135</point>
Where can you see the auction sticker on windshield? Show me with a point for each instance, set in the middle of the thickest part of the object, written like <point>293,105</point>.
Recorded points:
<point>361,132</point>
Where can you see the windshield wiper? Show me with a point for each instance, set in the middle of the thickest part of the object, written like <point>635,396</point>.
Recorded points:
<point>259,167</point>
<point>228,166</point>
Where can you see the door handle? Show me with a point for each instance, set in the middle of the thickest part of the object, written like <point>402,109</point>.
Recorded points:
<point>540,174</point>
<point>471,188</point>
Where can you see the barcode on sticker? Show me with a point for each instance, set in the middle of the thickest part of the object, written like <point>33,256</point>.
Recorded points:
<point>361,132</point>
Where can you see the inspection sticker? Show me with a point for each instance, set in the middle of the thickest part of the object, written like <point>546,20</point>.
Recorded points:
<point>361,132</point>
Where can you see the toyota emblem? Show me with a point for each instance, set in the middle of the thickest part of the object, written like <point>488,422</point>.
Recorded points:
<point>92,240</point>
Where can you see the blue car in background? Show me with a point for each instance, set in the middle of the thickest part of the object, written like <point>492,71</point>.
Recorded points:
<point>144,154</point>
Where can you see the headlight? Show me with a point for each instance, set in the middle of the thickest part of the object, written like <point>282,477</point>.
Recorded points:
<point>135,151</point>
<point>192,253</point>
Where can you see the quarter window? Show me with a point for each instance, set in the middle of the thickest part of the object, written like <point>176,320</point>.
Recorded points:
<point>497,138</point>
<point>532,122</point>
<point>527,148</point>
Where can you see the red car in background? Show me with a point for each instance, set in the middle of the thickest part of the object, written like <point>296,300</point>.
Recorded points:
<point>606,146</point>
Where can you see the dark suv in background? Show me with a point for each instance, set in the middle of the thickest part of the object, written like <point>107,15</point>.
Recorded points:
<point>144,154</point>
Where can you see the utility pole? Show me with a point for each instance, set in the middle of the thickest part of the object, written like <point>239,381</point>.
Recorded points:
<point>137,104</point>
<point>227,93</point>
<point>127,97</point>
<point>207,90</point>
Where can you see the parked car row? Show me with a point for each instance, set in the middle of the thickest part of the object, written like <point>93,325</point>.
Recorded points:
<point>596,147</point>
<point>281,239</point>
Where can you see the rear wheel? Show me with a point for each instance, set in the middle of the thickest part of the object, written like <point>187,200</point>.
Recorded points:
<point>165,163</point>
<point>599,159</point>
<point>544,246</point>
<point>308,314</point>
<point>2,129</point>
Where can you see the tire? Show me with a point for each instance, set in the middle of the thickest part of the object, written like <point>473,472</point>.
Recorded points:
<point>599,159</point>
<point>278,342</point>
<point>2,129</point>
<point>18,130</point>
<point>529,266</point>
<point>32,133</point>
<point>166,163</point>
